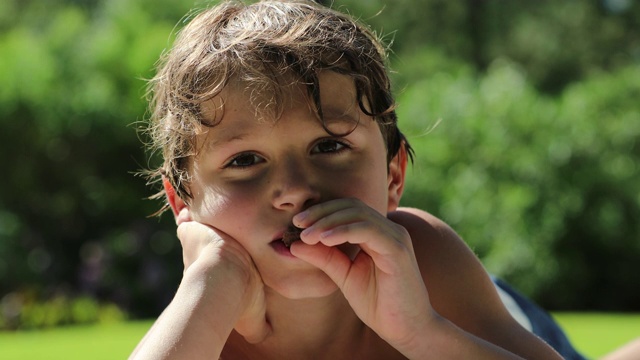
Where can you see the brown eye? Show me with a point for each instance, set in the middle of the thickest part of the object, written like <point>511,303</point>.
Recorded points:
<point>329,146</point>
<point>244,160</point>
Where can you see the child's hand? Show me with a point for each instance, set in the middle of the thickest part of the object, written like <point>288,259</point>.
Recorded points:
<point>224,263</point>
<point>383,283</point>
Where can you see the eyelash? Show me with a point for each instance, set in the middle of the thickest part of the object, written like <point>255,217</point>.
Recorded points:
<point>343,146</point>
<point>230,163</point>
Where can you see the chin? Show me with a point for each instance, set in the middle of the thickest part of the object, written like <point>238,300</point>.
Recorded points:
<point>304,287</point>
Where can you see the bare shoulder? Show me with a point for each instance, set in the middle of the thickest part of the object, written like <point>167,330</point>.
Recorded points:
<point>455,278</point>
<point>429,232</point>
<point>459,287</point>
<point>421,224</point>
<point>442,255</point>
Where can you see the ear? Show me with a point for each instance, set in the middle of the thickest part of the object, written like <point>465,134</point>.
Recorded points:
<point>397,170</point>
<point>178,206</point>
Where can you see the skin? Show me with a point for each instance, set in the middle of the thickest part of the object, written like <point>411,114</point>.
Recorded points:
<point>368,278</point>
<point>629,351</point>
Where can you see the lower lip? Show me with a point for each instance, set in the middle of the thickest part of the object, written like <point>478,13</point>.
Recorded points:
<point>281,248</point>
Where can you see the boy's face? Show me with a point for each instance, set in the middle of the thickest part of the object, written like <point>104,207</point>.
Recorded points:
<point>252,176</point>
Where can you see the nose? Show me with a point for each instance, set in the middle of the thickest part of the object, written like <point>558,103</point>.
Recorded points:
<point>294,186</point>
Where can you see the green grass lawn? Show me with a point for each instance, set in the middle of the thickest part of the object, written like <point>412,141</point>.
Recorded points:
<point>596,334</point>
<point>593,334</point>
<point>112,341</point>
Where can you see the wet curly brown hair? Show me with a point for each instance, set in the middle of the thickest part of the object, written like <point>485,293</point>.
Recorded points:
<point>259,43</point>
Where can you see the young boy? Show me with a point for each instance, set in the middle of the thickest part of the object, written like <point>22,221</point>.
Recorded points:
<point>278,116</point>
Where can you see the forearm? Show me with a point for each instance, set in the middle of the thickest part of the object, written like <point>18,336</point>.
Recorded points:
<point>460,291</point>
<point>198,320</point>
<point>444,340</point>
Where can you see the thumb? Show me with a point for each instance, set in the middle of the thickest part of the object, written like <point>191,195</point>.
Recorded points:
<point>183,216</point>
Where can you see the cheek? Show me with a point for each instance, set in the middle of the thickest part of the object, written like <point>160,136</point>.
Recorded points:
<point>369,185</point>
<point>228,211</point>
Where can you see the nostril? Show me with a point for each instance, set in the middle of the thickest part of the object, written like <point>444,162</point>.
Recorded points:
<point>294,185</point>
<point>296,199</point>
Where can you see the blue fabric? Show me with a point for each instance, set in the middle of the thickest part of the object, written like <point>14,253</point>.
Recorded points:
<point>542,323</point>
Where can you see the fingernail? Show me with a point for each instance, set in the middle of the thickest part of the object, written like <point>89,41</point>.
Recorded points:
<point>301,216</point>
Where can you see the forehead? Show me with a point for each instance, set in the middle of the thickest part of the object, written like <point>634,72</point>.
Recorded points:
<point>240,106</point>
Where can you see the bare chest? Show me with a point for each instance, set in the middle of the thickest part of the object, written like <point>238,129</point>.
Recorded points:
<point>371,349</point>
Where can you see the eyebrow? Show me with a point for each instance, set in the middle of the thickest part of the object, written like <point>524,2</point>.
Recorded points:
<point>333,115</point>
<point>211,145</point>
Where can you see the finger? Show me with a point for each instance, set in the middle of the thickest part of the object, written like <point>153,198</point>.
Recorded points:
<point>327,218</point>
<point>331,260</point>
<point>358,226</point>
<point>199,231</point>
<point>183,216</point>
<point>195,236</point>
<point>193,232</point>
<point>318,211</point>
<point>188,229</point>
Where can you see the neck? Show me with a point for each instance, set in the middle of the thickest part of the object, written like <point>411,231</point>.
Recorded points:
<point>303,325</point>
<point>318,318</point>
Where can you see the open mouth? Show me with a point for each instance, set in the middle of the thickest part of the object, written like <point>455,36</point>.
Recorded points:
<point>282,245</point>
<point>291,235</point>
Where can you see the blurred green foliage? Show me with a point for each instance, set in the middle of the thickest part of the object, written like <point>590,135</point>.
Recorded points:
<point>27,311</point>
<point>545,189</point>
<point>524,115</point>
<point>72,214</point>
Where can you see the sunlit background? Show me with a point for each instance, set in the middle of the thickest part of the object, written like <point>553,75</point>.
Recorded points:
<point>525,116</point>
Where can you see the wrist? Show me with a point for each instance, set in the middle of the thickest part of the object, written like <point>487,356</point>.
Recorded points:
<point>442,339</point>
<point>423,340</point>
<point>235,288</point>
<point>213,276</point>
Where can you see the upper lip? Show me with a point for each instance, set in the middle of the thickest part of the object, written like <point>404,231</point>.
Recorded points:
<point>278,237</point>
<point>280,234</point>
